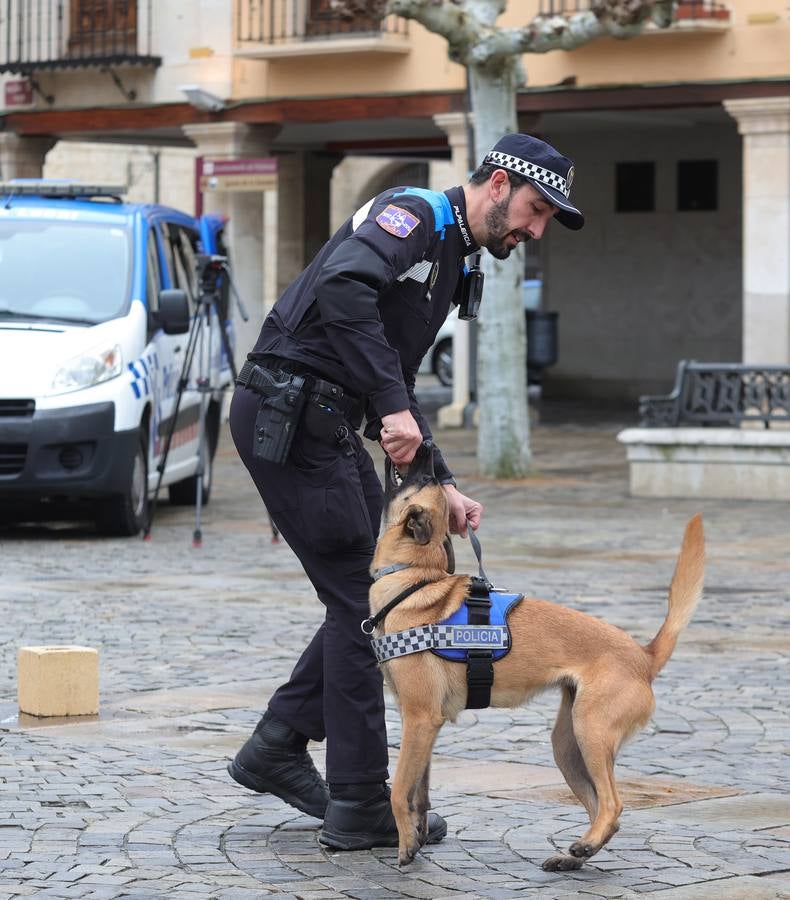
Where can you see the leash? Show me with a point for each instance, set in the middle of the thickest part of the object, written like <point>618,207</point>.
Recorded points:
<point>475,542</point>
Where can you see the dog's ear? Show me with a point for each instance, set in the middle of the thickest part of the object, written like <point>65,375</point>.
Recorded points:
<point>418,524</point>
<point>448,549</point>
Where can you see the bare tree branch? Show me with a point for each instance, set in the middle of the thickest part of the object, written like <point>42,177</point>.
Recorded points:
<point>453,21</point>
<point>469,26</point>
<point>474,39</point>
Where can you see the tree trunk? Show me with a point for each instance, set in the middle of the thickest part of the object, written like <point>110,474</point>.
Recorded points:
<point>503,437</point>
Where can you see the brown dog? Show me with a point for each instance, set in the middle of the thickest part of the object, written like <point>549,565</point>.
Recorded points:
<point>604,675</point>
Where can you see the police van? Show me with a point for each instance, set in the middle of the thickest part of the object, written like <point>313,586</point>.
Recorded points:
<point>98,302</point>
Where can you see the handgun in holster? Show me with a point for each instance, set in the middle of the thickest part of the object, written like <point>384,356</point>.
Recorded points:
<point>278,416</point>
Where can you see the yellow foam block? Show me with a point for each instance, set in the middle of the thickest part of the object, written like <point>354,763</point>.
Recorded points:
<point>58,681</point>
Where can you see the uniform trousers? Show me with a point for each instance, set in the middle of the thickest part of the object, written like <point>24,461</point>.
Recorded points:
<point>326,502</point>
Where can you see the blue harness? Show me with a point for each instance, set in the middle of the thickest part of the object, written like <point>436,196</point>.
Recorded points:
<point>477,633</point>
<point>494,636</point>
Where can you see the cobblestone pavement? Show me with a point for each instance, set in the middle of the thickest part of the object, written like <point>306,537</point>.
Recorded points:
<point>136,803</point>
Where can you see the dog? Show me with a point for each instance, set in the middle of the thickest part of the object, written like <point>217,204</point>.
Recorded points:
<point>604,676</point>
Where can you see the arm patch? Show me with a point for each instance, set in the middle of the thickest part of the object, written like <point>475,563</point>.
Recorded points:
<point>397,221</point>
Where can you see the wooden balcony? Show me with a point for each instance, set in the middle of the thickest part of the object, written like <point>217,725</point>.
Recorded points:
<point>36,35</point>
<point>269,29</point>
<point>690,15</point>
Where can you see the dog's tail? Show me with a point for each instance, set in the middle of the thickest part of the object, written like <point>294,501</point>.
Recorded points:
<point>684,594</point>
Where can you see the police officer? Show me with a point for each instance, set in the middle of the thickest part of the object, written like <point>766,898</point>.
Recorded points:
<point>350,333</point>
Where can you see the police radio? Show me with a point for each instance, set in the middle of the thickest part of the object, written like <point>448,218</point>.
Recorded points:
<point>471,292</point>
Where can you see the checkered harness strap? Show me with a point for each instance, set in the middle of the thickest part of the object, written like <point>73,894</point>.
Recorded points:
<point>433,637</point>
<point>529,170</point>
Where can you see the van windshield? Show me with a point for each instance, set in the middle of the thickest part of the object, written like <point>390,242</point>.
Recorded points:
<point>63,270</point>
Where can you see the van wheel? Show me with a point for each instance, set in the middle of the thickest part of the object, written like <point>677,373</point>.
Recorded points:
<point>184,493</point>
<point>125,514</point>
<point>443,362</point>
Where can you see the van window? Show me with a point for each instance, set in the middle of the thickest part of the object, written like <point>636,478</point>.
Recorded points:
<point>63,270</point>
<point>153,275</point>
<point>181,245</point>
<point>188,242</point>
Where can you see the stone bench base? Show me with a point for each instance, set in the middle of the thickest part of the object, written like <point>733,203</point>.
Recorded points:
<point>725,463</point>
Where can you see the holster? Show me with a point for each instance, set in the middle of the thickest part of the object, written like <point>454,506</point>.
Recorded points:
<point>280,411</point>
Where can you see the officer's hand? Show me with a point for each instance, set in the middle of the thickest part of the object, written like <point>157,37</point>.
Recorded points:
<point>400,437</point>
<point>463,511</point>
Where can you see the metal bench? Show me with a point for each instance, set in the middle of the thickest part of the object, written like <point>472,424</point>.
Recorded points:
<point>722,395</point>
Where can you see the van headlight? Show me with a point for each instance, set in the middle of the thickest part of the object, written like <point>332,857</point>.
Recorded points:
<point>87,369</point>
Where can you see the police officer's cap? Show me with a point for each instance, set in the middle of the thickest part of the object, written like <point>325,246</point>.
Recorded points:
<point>548,171</point>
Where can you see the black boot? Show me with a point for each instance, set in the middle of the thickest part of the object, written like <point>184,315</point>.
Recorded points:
<point>274,760</point>
<point>359,817</point>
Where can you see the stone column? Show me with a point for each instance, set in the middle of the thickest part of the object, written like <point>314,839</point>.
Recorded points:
<point>765,126</point>
<point>22,157</point>
<point>290,219</point>
<point>253,223</point>
<point>455,127</point>
<point>318,169</point>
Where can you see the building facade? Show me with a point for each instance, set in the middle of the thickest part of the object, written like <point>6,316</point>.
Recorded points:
<point>681,140</point>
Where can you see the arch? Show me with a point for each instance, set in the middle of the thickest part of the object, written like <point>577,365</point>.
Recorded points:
<point>357,179</point>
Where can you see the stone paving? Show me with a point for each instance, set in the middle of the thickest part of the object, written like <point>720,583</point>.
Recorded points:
<point>136,802</point>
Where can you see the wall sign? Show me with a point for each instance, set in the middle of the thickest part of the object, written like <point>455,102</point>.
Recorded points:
<point>18,93</point>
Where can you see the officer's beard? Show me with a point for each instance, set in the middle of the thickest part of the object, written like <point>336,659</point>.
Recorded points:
<point>498,230</point>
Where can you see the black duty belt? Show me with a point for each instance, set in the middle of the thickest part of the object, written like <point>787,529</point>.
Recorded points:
<point>252,376</point>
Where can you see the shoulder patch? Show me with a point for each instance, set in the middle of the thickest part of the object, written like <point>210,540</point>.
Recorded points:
<point>397,221</point>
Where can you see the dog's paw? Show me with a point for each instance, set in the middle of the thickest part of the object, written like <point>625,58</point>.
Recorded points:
<point>561,864</point>
<point>581,850</point>
<point>406,857</point>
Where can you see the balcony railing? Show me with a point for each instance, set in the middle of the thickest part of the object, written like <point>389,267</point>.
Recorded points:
<point>67,34</point>
<point>688,13</point>
<point>309,26</point>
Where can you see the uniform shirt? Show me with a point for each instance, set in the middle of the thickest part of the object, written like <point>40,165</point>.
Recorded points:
<point>369,305</point>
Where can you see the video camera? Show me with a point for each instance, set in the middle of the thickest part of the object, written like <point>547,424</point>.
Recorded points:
<point>209,270</point>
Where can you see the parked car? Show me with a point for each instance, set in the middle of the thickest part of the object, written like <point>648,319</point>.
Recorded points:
<point>439,359</point>
<point>96,297</point>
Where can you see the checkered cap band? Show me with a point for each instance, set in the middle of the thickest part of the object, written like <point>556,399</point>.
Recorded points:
<point>415,640</point>
<point>529,170</point>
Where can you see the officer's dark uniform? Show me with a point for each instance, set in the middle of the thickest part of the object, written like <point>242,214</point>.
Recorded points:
<point>362,315</point>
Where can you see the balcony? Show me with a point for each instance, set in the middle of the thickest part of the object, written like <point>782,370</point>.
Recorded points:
<point>701,15</point>
<point>690,15</point>
<point>270,29</point>
<point>37,35</point>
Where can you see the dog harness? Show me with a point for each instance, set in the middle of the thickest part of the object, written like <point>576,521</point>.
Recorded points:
<point>477,633</point>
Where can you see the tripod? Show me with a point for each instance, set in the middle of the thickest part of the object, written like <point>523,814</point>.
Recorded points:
<point>209,271</point>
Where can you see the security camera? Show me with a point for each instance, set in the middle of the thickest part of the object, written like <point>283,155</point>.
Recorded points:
<point>201,98</point>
